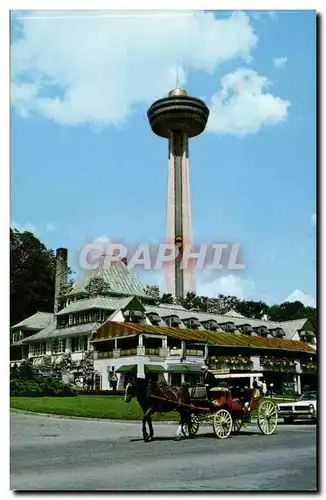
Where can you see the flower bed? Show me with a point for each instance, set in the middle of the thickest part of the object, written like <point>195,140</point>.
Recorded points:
<point>309,367</point>
<point>230,362</point>
<point>277,364</point>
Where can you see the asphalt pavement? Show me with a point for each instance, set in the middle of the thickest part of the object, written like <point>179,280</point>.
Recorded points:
<point>50,453</point>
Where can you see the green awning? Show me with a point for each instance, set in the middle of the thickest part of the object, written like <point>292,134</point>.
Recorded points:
<point>127,369</point>
<point>154,369</point>
<point>184,369</point>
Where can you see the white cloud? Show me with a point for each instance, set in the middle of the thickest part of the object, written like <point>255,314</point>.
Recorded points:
<point>241,106</point>
<point>100,66</point>
<point>306,300</point>
<point>280,62</point>
<point>23,227</point>
<point>313,219</point>
<point>50,227</point>
<point>227,285</point>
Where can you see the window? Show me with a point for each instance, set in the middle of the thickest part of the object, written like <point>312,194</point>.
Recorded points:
<point>62,321</point>
<point>37,349</point>
<point>55,346</point>
<point>15,337</point>
<point>70,319</point>
<point>85,343</point>
<point>62,345</point>
<point>99,315</point>
<point>75,344</point>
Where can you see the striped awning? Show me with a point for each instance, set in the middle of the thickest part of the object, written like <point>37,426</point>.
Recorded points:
<point>111,329</point>
<point>127,369</point>
<point>154,369</point>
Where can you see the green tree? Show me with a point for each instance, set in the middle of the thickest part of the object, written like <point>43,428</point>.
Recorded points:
<point>252,309</point>
<point>153,291</point>
<point>32,272</point>
<point>26,369</point>
<point>32,275</point>
<point>227,303</point>
<point>88,369</point>
<point>167,298</point>
<point>287,311</point>
<point>14,371</point>
<point>293,310</point>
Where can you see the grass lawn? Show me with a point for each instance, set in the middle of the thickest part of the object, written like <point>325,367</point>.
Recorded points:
<point>111,407</point>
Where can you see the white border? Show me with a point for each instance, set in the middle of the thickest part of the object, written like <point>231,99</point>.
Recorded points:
<point>4,212</point>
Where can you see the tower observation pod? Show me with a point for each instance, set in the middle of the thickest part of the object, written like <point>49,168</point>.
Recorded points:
<point>177,118</point>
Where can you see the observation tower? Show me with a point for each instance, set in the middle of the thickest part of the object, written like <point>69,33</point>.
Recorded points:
<point>177,118</point>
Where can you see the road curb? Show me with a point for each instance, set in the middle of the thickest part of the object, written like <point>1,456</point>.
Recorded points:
<point>94,419</point>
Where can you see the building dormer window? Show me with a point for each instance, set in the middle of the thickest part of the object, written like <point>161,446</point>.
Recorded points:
<point>134,316</point>
<point>211,325</point>
<point>229,327</point>
<point>173,321</point>
<point>279,333</point>
<point>192,323</point>
<point>246,329</point>
<point>154,318</point>
<point>307,336</point>
<point>262,331</point>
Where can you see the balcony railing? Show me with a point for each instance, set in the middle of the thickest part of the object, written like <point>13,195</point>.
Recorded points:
<point>104,355</point>
<point>161,352</point>
<point>152,352</point>
<point>224,366</point>
<point>194,352</point>
<point>128,352</point>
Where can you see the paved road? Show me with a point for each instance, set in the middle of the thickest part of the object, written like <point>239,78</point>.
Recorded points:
<point>60,454</point>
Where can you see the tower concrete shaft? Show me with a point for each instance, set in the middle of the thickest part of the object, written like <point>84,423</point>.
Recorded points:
<point>178,232</point>
<point>177,118</point>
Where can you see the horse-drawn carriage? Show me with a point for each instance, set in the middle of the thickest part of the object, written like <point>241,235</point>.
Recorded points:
<point>224,409</point>
<point>227,412</point>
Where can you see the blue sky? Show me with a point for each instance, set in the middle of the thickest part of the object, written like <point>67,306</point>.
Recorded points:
<point>85,164</point>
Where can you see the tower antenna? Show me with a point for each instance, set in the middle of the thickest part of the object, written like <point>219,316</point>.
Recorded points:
<point>177,76</point>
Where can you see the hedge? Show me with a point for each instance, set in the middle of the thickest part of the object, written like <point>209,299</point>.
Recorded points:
<point>40,386</point>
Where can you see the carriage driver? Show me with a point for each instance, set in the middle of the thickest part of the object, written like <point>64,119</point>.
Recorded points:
<point>209,379</point>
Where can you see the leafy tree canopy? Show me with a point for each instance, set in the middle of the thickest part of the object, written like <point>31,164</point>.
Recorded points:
<point>32,274</point>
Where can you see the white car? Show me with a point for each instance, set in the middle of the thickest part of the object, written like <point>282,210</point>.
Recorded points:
<point>304,408</point>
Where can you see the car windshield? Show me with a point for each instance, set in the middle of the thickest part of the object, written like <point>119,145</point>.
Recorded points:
<point>306,396</point>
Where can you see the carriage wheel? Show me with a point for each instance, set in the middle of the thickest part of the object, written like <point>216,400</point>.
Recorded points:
<point>191,429</point>
<point>222,423</point>
<point>237,424</point>
<point>267,417</point>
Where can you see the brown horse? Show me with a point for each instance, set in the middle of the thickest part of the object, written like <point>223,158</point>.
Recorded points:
<point>157,399</point>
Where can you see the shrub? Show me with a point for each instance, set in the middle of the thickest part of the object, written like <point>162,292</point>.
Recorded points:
<point>22,387</point>
<point>40,386</point>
